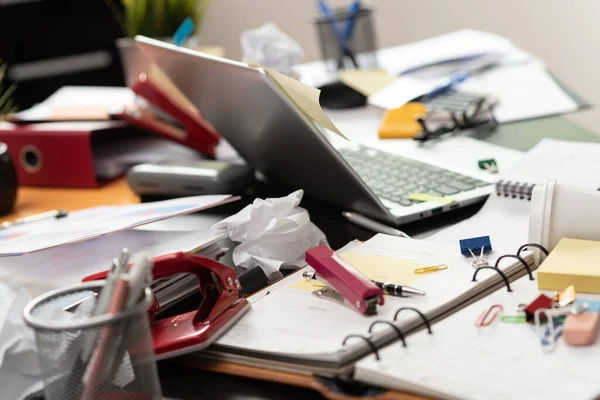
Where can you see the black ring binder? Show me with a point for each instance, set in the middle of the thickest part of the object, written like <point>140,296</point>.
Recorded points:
<point>398,331</point>
<point>373,347</point>
<point>423,317</point>
<point>531,278</point>
<point>498,271</point>
<point>537,246</point>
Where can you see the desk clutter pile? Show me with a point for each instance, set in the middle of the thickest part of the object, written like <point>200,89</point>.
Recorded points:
<point>503,304</point>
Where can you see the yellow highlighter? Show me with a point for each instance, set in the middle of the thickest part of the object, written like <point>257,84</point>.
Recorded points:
<point>401,123</point>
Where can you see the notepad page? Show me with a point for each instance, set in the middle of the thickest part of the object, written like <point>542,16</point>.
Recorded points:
<point>505,219</point>
<point>290,322</point>
<point>501,361</point>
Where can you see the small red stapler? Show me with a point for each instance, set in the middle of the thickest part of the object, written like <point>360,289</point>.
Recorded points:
<point>220,308</point>
<point>344,281</point>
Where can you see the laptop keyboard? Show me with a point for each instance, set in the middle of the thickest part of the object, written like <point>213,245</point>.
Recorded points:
<point>394,177</point>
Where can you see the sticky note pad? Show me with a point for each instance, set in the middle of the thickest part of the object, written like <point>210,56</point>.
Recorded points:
<point>401,123</point>
<point>572,262</point>
<point>429,197</point>
<point>366,81</point>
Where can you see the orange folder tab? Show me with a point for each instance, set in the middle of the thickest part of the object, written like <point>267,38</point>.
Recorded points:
<point>401,123</point>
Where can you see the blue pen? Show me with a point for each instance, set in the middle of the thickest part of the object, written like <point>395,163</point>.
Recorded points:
<point>352,11</point>
<point>458,77</point>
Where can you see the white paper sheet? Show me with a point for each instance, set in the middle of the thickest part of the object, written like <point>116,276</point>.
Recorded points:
<point>501,361</point>
<point>63,265</point>
<point>523,91</point>
<point>506,220</point>
<point>97,221</point>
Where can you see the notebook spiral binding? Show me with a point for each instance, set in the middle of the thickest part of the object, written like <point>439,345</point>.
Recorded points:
<point>514,189</point>
<point>426,321</point>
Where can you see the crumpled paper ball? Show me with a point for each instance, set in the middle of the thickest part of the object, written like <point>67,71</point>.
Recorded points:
<point>269,46</point>
<point>272,232</point>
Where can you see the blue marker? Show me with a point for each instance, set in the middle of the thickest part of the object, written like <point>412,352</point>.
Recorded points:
<point>183,32</point>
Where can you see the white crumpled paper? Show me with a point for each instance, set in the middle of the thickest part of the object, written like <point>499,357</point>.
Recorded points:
<point>20,374</point>
<point>269,46</point>
<point>272,232</point>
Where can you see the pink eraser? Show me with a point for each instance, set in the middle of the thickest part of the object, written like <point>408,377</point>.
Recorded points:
<point>582,329</point>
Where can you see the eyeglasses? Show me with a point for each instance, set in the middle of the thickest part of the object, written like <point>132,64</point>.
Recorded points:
<point>479,114</point>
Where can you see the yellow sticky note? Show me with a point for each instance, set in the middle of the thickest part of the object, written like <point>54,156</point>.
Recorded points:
<point>429,197</point>
<point>377,268</point>
<point>571,262</point>
<point>382,268</point>
<point>401,123</point>
<point>366,81</point>
<point>305,97</point>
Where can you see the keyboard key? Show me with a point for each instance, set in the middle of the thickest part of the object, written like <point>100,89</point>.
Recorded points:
<point>405,202</point>
<point>460,185</point>
<point>446,190</point>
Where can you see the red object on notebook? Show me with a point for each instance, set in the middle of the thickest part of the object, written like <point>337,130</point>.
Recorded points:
<point>197,133</point>
<point>60,153</point>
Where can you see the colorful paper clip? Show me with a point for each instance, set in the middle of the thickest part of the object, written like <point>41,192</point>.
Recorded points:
<point>554,326</point>
<point>432,268</point>
<point>566,297</point>
<point>488,316</point>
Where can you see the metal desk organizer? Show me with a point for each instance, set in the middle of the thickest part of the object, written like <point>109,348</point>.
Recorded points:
<point>67,348</point>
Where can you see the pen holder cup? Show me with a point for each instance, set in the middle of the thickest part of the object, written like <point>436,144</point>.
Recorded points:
<point>361,41</point>
<point>86,357</point>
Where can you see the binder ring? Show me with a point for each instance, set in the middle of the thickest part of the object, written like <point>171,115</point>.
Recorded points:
<point>537,246</point>
<point>423,317</point>
<point>366,340</point>
<point>398,331</point>
<point>531,278</point>
<point>498,271</point>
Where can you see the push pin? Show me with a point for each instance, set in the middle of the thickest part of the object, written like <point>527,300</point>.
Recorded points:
<point>489,165</point>
<point>479,261</point>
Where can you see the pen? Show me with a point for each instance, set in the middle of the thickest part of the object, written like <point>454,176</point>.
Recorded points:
<point>34,218</point>
<point>372,225</point>
<point>388,288</point>
<point>474,68</point>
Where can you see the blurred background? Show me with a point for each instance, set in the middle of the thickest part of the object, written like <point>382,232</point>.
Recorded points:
<point>562,34</point>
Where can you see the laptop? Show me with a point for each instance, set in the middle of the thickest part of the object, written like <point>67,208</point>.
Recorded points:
<point>277,139</point>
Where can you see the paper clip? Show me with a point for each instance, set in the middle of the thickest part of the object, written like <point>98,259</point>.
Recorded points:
<point>566,297</point>
<point>488,316</point>
<point>432,268</point>
<point>553,331</point>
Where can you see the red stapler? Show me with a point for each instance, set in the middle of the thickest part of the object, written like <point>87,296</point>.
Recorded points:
<point>220,308</point>
<point>358,291</point>
<point>161,92</point>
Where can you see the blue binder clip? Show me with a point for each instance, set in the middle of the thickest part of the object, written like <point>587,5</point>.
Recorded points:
<point>477,245</point>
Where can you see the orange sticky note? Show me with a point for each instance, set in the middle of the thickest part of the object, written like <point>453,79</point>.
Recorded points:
<point>402,122</point>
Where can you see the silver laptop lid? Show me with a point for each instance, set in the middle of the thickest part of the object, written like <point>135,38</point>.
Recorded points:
<point>263,125</point>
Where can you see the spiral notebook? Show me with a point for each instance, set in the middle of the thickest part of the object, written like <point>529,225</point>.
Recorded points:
<point>290,329</point>
<point>500,361</point>
<point>505,216</point>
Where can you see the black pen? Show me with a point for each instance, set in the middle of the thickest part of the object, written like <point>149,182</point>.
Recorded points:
<point>388,288</point>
